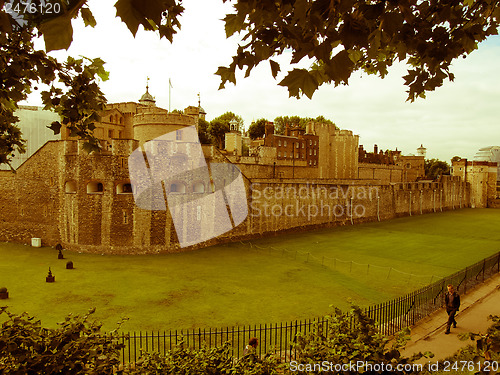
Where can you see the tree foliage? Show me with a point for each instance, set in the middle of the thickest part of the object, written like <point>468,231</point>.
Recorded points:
<point>488,344</point>
<point>217,130</point>
<point>345,36</point>
<point>203,133</point>
<point>281,122</point>
<point>257,128</point>
<point>74,92</point>
<point>77,346</point>
<point>340,37</point>
<point>348,338</point>
<point>434,168</point>
<point>220,125</point>
<point>183,360</point>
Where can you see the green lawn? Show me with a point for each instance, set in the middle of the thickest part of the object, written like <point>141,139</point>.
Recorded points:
<point>270,280</point>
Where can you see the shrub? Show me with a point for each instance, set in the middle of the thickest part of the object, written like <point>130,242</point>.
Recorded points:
<point>349,338</point>
<point>3,289</point>
<point>77,346</point>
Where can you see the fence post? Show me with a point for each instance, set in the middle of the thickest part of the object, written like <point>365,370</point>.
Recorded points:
<point>465,279</point>
<point>286,341</point>
<point>135,348</point>
<point>484,266</point>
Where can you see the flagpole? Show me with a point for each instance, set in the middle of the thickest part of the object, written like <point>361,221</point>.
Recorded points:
<point>169,94</point>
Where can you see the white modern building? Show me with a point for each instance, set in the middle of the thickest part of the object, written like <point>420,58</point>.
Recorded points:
<point>33,122</point>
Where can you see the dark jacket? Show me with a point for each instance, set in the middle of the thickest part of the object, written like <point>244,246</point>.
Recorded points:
<point>452,302</point>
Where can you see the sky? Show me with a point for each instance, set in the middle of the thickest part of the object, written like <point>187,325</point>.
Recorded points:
<point>457,119</point>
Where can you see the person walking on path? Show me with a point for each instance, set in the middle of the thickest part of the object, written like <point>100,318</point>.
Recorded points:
<point>452,304</point>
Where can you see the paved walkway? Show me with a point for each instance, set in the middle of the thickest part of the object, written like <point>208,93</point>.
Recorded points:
<point>475,308</point>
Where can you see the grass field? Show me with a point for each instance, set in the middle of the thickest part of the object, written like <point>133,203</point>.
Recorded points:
<point>266,281</point>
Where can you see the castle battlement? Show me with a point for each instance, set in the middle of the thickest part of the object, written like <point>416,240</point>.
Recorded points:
<point>163,119</point>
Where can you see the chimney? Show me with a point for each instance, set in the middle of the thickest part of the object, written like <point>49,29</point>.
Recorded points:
<point>375,149</point>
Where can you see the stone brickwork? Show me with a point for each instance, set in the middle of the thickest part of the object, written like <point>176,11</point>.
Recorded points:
<point>85,201</point>
<point>338,152</point>
<point>30,202</point>
<point>483,178</point>
<point>384,173</point>
<point>63,195</point>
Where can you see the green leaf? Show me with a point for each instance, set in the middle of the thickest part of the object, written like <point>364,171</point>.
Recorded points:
<point>275,68</point>
<point>57,33</point>
<point>55,127</point>
<point>88,17</point>
<point>150,9</point>
<point>339,69</point>
<point>355,55</point>
<point>126,11</point>
<point>233,24</point>
<point>226,74</point>
<point>300,80</point>
<point>100,71</point>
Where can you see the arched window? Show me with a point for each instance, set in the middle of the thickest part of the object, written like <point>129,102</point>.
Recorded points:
<point>95,187</point>
<point>177,188</point>
<point>198,187</point>
<point>70,187</point>
<point>124,188</point>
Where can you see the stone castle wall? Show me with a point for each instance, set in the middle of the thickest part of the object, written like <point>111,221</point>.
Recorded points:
<point>53,196</point>
<point>148,126</point>
<point>30,203</point>
<point>338,156</point>
<point>385,173</point>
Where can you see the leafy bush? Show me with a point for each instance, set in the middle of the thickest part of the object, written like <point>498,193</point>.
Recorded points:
<point>481,357</point>
<point>207,361</point>
<point>349,338</point>
<point>487,345</point>
<point>77,346</point>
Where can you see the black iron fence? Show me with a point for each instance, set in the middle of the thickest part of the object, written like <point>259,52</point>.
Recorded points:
<point>391,317</point>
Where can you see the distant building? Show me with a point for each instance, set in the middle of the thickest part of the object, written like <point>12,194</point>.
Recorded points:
<point>33,122</point>
<point>421,151</point>
<point>233,141</point>
<point>489,154</point>
<point>85,201</point>
<point>483,175</point>
<point>296,143</point>
<point>391,166</point>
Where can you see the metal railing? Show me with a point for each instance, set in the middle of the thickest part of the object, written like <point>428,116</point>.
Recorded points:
<point>390,317</point>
